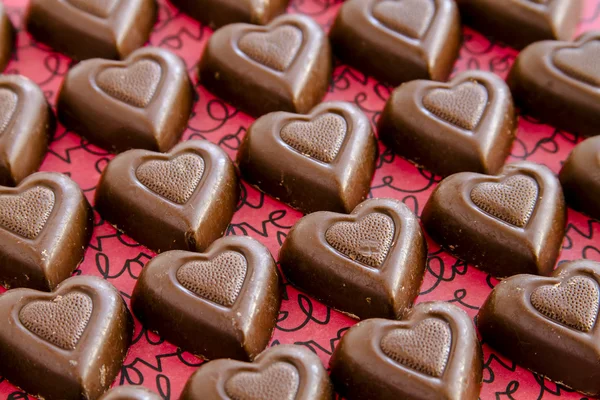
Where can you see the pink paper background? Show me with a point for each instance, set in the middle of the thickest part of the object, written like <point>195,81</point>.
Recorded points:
<point>164,368</point>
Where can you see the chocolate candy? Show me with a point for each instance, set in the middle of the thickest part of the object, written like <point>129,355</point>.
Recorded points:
<point>369,263</point>
<point>222,303</point>
<point>549,324</point>
<point>142,102</point>
<point>45,225</point>
<point>321,161</point>
<point>398,41</point>
<point>285,372</point>
<point>7,38</point>
<point>557,82</point>
<point>432,354</point>
<point>65,345</point>
<point>130,393</point>
<point>182,200</point>
<point>85,29</point>
<point>285,66</point>
<point>468,124</point>
<point>519,23</point>
<point>580,178</point>
<point>507,224</point>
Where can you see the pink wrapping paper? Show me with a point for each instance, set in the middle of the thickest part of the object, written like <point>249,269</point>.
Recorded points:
<point>162,367</point>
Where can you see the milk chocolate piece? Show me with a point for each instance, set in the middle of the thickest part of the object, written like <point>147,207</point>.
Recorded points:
<point>468,124</point>
<point>284,372</point>
<point>432,354</point>
<point>142,102</point>
<point>85,29</point>
<point>182,200</point>
<point>369,263</point>
<point>321,161</point>
<point>398,41</point>
<point>130,393</point>
<point>222,303</point>
<point>65,345</point>
<point>507,224</point>
<point>559,83</point>
<point>549,325</point>
<point>7,38</point>
<point>519,23</point>
<point>45,225</point>
<point>284,66</point>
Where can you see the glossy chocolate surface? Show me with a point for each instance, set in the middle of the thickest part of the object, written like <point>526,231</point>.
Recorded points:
<point>7,38</point>
<point>549,325</point>
<point>559,83</point>
<point>45,225</point>
<point>468,124</point>
<point>130,393</point>
<point>142,102</point>
<point>65,345</point>
<point>369,263</point>
<point>398,41</point>
<point>181,200</point>
<point>433,354</point>
<point>507,224</point>
<point>284,372</point>
<point>284,66</point>
<point>221,303</point>
<point>321,161</point>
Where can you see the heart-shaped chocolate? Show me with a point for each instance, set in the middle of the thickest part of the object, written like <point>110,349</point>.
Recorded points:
<point>26,213</point>
<point>99,8</point>
<point>462,105</point>
<point>279,381</point>
<point>581,63</point>
<point>275,49</point>
<point>135,84</point>
<point>408,17</point>
<point>320,138</point>
<point>8,105</point>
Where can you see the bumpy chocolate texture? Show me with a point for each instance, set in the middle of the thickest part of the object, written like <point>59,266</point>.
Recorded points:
<point>468,124</point>
<point>549,325</point>
<point>321,161</point>
<point>432,354</point>
<point>558,83</point>
<point>222,303</point>
<point>130,393</point>
<point>285,66</point>
<point>182,200</point>
<point>398,41</point>
<point>7,38</point>
<point>369,263</point>
<point>45,225</point>
<point>284,372</point>
<point>507,224</point>
<point>142,102</point>
<point>85,29</point>
<point>65,345</point>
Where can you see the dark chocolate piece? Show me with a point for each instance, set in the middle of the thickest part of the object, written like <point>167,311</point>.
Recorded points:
<point>7,38</point>
<point>507,224</point>
<point>284,372</point>
<point>45,225</point>
<point>142,102</point>
<point>222,303</point>
<point>519,23</point>
<point>549,325</point>
<point>130,393</point>
<point>321,161</point>
<point>85,29</point>
<point>398,41</point>
<point>183,200</point>
<point>468,124</point>
<point>65,345</point>
<point>369,263</point>
<point>432,354</point>
<point>285,66</point>
<point>559,83</point>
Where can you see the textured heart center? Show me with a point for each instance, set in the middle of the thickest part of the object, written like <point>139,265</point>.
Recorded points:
<point>8,105</point>
<point>279,381</point>
<point>275,49</point>
<point>219,280</point>
<point>407,17</point>
<point>99,8</point>
<point>367,241</point>
<point>60,321</point>
<point>174,179</point>
<point>424,348</point>
<point>26,213</point>
<point>321,138</point>
<point>134,85</point>
<point>573,303</point>
<point>512,201</point>
<point>462,106</point>
<point>582,63</point>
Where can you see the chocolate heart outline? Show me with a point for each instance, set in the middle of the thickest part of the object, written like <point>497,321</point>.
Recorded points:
<point>419,35</point>
<point>94,10</point>
<point>584,77</point>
